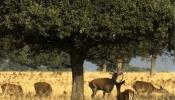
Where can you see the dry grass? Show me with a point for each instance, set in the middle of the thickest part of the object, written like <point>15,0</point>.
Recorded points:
<point>61,84</point>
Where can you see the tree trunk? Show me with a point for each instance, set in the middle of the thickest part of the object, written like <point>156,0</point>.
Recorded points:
<point>104,67</point>
<point>119,64</point>
<point>77,77</point>
<point>153,64</point>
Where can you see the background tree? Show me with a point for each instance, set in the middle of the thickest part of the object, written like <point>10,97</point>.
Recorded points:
<point>82,28</point>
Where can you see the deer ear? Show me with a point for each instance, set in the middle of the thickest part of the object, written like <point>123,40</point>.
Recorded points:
<point>123,82</point>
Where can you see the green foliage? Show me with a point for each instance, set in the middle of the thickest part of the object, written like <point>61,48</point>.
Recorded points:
<point>26,56</point>
<point>52,58</point>
<point>101,29</point>
<point>21,55</point>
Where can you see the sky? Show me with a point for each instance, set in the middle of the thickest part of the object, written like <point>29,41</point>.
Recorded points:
<point>163,63</point>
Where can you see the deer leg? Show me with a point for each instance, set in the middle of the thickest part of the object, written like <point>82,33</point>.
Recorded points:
<point>104,94</point>
<point>109,94</point>
<point>94,92</point>
<point>149,93</point>
<point>137,92</point>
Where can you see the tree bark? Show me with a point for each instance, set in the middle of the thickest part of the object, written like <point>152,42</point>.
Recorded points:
<point>119,64</point>
<point>153,64</point>
<point>77,76</point>
<point>104,67</point>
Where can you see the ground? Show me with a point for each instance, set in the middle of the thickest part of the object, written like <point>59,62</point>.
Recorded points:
<point>61,83</point>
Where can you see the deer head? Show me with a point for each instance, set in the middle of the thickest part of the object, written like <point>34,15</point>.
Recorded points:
<point>117,73</point>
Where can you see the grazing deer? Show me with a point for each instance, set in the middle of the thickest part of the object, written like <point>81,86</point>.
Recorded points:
<point>12,89</point>
<point>104,84</point>
<point>141,86</point>
<point>43,89</point>
<point>128,94</point>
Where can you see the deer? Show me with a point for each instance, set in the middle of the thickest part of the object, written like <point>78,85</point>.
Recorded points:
<point>104,84</point>
<point>128,94</point>
<point>12,89</point>
<point>142,86</point>
<point>43,89</point>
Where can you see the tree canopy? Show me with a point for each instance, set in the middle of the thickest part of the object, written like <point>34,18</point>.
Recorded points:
<point>64,25</point>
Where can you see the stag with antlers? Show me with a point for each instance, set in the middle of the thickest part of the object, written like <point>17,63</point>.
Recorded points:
<point>104,84</point>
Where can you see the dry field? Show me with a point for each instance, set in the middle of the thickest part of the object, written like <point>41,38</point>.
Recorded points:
<point>61,84</point>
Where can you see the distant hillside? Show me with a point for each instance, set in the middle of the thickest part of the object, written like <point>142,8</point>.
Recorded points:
<point>7,65</point>
<point>132,68</point>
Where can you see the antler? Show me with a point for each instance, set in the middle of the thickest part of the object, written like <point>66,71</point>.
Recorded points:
<point>119,71</point>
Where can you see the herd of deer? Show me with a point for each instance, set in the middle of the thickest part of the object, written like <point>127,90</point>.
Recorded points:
<point>107,84</point>
<point>41,89</point>
<point>104,84</point>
